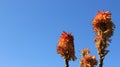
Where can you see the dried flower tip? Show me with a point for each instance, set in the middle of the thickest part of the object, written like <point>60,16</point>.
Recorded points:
<point>102,23</point>
<point>85,52</point>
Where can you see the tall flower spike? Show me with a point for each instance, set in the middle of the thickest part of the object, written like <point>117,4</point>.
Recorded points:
<point>65,47</point>
<point>87,60</point>
<point>103,28</point>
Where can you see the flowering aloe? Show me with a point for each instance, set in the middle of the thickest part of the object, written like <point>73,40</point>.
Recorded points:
<point>102,23</point>
<point>87,60</point>
<point>66,47</point>
<point>103,27</point>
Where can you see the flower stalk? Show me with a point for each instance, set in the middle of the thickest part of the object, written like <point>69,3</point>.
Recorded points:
<point>103,28</point>
<point>65,47</point>
<point>66,63</point>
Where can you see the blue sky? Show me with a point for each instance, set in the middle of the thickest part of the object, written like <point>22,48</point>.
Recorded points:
<point>30,30</point>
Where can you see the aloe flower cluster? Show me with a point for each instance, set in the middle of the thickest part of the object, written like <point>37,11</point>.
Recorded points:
<point>103,28</point>
<point>65,47</point>
<point>87,60</point>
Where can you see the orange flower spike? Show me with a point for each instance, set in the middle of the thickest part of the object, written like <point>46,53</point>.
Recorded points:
<point>87,60</point>
<point>102,22</point>
<point>66,46</point>
<point>103,28</point>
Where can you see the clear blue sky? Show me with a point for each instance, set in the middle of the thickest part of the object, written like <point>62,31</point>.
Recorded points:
<point>30,30</point>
